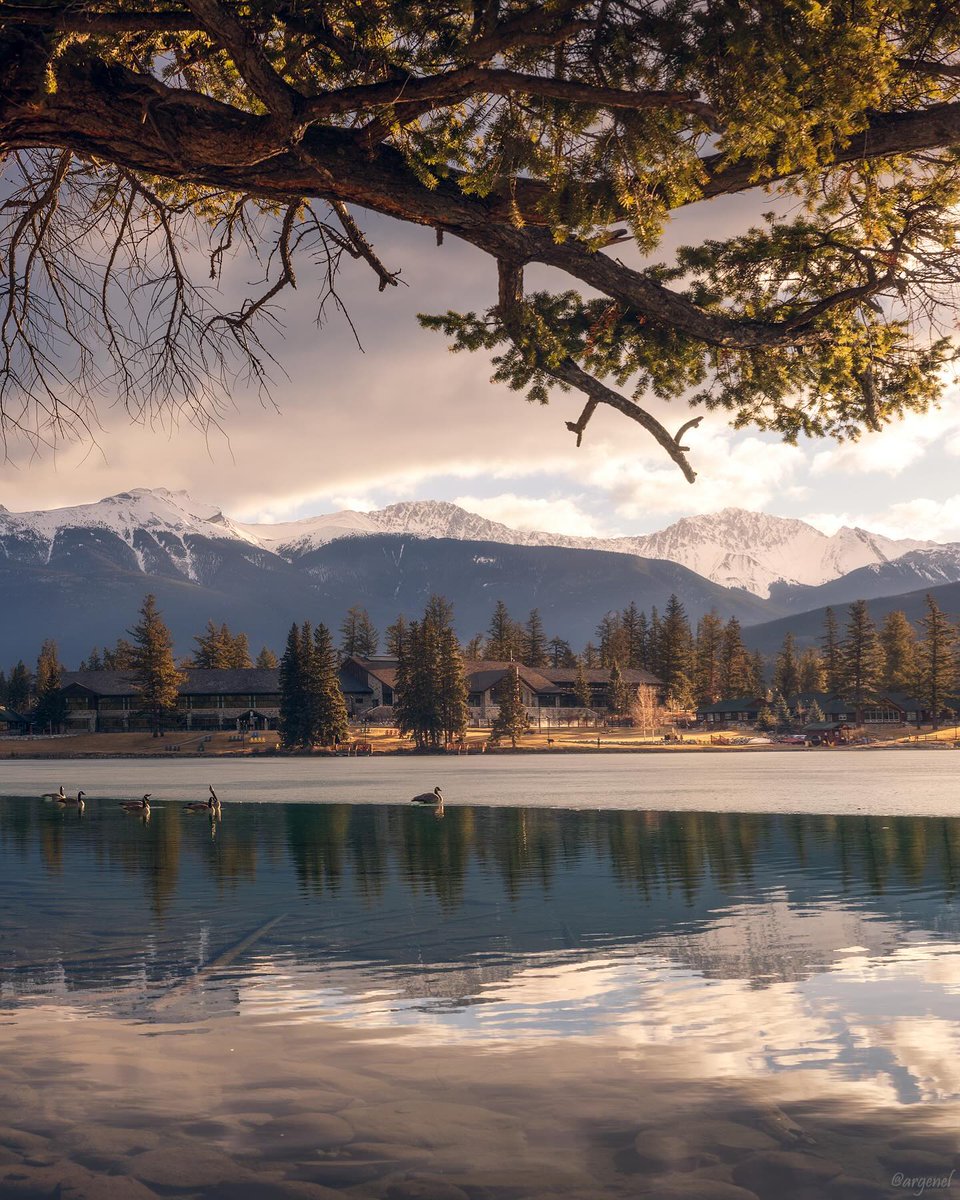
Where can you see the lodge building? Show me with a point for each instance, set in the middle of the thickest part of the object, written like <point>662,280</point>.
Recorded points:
<point>249,698</point>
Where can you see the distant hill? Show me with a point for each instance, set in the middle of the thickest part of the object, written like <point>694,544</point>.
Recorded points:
<point>808,626</point>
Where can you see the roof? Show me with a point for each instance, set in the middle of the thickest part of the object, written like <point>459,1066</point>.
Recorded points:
<point>740,704</point>
<point>200,681</point>
<point>568,675</point>
<point>7,714</point>
<point>823,726</point>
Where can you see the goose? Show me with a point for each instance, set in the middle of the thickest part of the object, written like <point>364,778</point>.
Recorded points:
<point>140,806</point>
<point>208,806</point>
<point>70,800</point>
<point>434,797</point>
<point>61,795</point>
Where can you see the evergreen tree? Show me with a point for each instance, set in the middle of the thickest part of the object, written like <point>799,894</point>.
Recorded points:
<point>736,671</point>
<point>786,672</point>
<point>213,647</point>
<point>93,661</point>
<point>502,636</point>
<point>590,658</point>
<point>633,626</point>
<point>766,720</point>
<point>358,635</point>
<point>782,718</point>
<point>833,672</point>
<point>899,642</point>
<point>267,660</point>
<point>121,658</point>
<point>238,655</point>
<point>814,714</point>
<point>810,671</point>
<point>328,708</point>
<point>18,688</point>
<point>431,694</point>
<point>51,708</point>
<point>3,689</point>
<point>756,670</point>
<point>292,691</point>
<point>396,637</point>
<point>473,651</point>
<point>581,688</point>
<point>619,692</point>
<point>708,671</point>
<point>534,641</point>
<point>511,719</point>
<point>452,687</point>
<point>654,663</point>
<point>676,651</point>
<point>936,664</point>
<point>612,644</point>
<point>861,657</point>
<point>560,654</point>
<point>153,668</point>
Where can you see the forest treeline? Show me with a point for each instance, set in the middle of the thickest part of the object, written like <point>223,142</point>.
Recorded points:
<point>698,664</point>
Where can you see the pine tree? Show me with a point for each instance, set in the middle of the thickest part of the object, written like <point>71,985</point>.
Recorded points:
<point>327,706</point>
<point>633,625</point>
<point>153,668</point>
<point>213,647</point>
<point>121,658</point>
<point>511,719</point>
<point>396,637</point>
<point>452,687</point>
<point>861,657</point>
<point>756,674</point>
<point>502,636</point>
<point>581,688</point>
<point>708,671</point>
<point>292,693</point>
<point>899,642</point>
<point>534,641</point>
<point>736,672</point>
<point>431,694</point>
<point>810,671</point>
<point>18,688</point>
<point>676,652</point>
<point>51,709</point>
<point>765,719</point>
<point>833,676</point>
<point>589,657</point>
<point>936,664</point>
<point>782,718</point>
<point>93,661</point>
<point>267,660</point>
<point>654,663</point>
<point>612,641</point>
<point>560,654</point>
<point>619,692</point>
<point>473,651</point>
<point>814,714</point>
<point>358,635</point>
<point>786,673</point>
<point>238,655</point>
<point>4,701</point>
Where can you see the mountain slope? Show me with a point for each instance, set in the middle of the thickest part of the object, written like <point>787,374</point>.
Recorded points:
<point>908,573</point>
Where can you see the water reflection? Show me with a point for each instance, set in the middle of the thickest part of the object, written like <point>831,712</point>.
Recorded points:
<point>800,971</point>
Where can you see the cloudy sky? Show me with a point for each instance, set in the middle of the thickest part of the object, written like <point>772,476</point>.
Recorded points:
<point>408,420</point>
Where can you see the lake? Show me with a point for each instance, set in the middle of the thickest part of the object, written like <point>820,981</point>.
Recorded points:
<point>720,977</point>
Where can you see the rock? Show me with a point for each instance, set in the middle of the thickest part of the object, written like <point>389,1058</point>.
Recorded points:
<point>185,1166</point>
<point>772,1171</point>
<point>344,1172</point>
<point>68,1181</point>
<point>24,1143</point>
<point>405,1155</point>
<point>911,1161</point>
<point>263,1189</point>
<point>477,1132</point>
<point>105,1187</point>
<point>102,1145</point>
<point>296,1136</point>
<point>730,1139</point>
<point>701,1189</point>
<point>849,1187</point>
<point>424,1187</point>
<point>660,1151</point>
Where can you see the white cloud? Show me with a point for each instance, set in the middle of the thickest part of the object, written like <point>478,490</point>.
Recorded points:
<point>922,518</point>
<point>894,449</point>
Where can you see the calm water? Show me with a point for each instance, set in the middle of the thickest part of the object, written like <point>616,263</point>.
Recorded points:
<point>570,997</point>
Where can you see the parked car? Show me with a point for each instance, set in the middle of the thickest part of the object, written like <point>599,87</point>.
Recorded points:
<point>793,739</point>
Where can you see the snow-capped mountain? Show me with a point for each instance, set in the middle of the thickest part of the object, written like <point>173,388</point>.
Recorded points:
<point>734,548</point>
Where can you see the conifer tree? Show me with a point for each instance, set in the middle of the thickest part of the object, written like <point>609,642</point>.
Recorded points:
<point>654,662</point>
<point>431,691</point>
<point>560,654</point>
<point>633,625</point>
<point>396,636</point>
<point>452,687</point>
<point>328,708</point>
<point>756,670</point>
<point>3,688</point>
<point>18,688</point>
<point>619,692</point>
<point>814,714</point>
<point>152,667</point>
<point>93,661</point>
<point>612,644</point>
<point>899,642</point>
<point>511,718</point>
<point>120,658</point>
<point>502,636</point>
<point>786,673</point>
<point>473,651</point>
<point>292,691</point>
<point>708,670</point>
<point>782,719</point>
<point>676,652</point>
<point>736,672</point>
<point>861,657</point>
<point>238,653</point>
<point>833,673</point>
<point>810,670</point>
<point>357,634</point>
<point>590,657</point>
<point>266,659</point>
<point>936,662</point>
<point>581,688</point>
<point>51,708</point>
<point>534,641</point>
